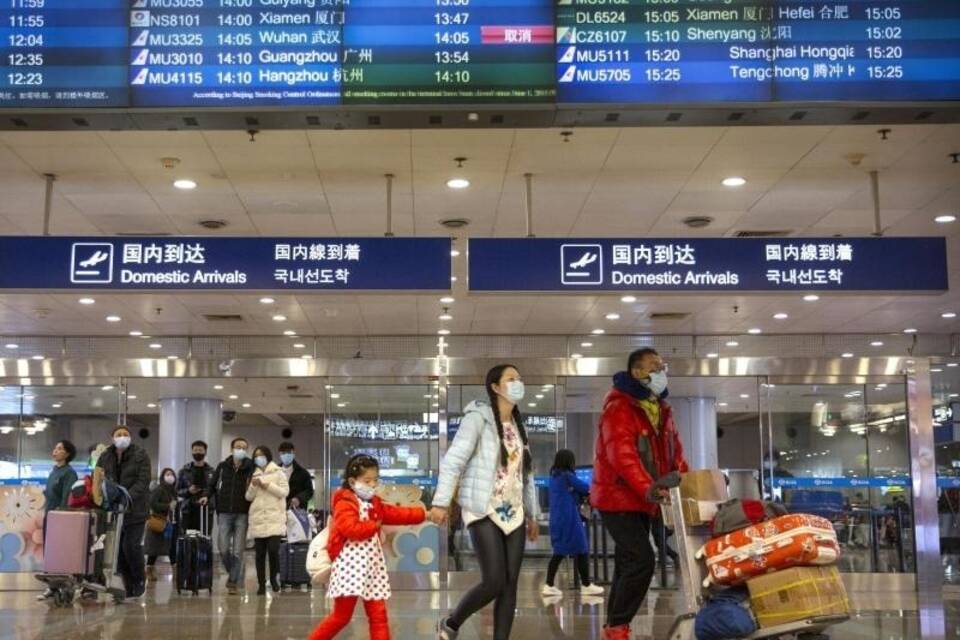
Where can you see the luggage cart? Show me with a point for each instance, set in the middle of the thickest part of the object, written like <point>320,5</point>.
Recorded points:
<point>64,586</point>
<point>689,539</point>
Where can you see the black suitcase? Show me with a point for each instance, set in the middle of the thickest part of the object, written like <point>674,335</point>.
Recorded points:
<point>194,569</point>
<point>293,564</point>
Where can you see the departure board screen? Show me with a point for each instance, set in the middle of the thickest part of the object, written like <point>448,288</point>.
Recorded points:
<point>300,53</point>
<point>656,51</point>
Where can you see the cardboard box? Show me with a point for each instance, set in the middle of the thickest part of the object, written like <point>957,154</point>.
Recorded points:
<point>695,513</point>
<point>797,594</point>
<point>706,485</point>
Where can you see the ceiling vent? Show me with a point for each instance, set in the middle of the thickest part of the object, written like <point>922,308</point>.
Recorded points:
<point>762,233</point>
<point>223,317</point>
<point>454,223</point>
<point>212,224</point>
<point>698,222</point>
<point>301,396</point>
<point>669,316</point>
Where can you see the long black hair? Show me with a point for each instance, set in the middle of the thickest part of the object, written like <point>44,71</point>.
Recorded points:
<point>356,465</point>
<point>493,378</point>
<point>564,461</point>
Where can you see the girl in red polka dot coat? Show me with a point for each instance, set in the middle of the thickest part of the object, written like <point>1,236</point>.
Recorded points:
<point>359,571</point>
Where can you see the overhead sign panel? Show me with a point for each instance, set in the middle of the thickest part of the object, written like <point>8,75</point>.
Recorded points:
<point>340,264</point>
<point>708,264</point>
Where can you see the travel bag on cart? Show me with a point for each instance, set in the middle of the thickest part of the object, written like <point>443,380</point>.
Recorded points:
<point>293,564</point>
<point>194,569</point>
<point>70,537</point>
<point>788,541</point>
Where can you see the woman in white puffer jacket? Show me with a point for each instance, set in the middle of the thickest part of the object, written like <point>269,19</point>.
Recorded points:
<point>267,494</point>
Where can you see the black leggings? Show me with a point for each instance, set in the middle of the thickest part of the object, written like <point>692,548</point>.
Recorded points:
<point>500,556</point>
<point>264,547</point>
<point>583,568</point>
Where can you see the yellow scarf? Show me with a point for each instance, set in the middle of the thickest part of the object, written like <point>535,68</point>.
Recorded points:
<point>652,409</point>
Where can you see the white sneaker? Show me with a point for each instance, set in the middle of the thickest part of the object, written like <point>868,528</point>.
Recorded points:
<point>592,590</point>
<point>547,590</point>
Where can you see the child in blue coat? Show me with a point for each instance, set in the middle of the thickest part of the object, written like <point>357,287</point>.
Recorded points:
<point>568,535</point>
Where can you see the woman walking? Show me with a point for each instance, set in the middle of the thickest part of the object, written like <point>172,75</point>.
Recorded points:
<point>568,535</point>
<point>267,495</point>
<point>489,459</point>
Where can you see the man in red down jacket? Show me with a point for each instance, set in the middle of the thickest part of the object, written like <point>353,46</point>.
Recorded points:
<point>637,445</point>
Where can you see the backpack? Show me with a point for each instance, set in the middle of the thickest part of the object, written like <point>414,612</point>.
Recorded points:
<point>737,514</point>
<point>116,498</point>
<point>81,494</point>
<point>318,559</point>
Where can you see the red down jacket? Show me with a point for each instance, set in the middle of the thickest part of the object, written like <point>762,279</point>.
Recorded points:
<point>621,477</point>
<point>348,526</point>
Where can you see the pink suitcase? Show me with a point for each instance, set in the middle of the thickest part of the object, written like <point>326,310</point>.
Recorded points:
<point>69,541</point>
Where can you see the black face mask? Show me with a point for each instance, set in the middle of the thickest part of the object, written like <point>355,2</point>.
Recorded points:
<point>198,457</point>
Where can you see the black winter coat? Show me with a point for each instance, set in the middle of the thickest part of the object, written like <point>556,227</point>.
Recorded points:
<point>301,486</point>
<point>131,471</point>
<point>229,486</point>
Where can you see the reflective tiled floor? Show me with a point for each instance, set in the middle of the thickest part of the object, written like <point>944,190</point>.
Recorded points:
<point>164,615</point>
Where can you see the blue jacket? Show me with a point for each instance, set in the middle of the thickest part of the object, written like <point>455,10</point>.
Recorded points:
<point>471,463</point>
<point>567,533</point>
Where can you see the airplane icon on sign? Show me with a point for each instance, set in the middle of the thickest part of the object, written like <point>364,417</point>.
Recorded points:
<point>581,264</point>
<point>587,259</point>
<point>94,260</point>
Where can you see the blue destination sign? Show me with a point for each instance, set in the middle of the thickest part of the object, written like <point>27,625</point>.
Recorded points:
<point>708,264</point>
<point>840,483</point>
<point>190,263</point>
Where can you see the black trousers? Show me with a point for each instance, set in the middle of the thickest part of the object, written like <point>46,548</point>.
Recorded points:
<point>130,556</point>
<point>500,556</point>
<point>583,568</point>
<point>171,554</point>
<point>662,534</point>
<point>267,547</point>
<point>633,564</point>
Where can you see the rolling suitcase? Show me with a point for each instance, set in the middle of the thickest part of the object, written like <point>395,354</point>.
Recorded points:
<point>788,541</point>
<point>194,568</point>
<point>293,564</point>
<point>68,547</point>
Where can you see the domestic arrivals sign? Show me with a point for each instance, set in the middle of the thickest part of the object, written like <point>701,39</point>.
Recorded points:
<point>192,263</point>
<point>708,264</point>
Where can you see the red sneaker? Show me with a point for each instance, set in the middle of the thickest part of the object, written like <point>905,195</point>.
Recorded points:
<point>616,633</point>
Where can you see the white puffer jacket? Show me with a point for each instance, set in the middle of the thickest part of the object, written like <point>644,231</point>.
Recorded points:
<point>268,506</point>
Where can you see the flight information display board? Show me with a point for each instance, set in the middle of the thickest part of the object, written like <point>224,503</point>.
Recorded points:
<point>276,53</point>
<point>656,51</point>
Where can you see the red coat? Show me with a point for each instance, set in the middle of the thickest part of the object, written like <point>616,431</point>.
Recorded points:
<point>348,526</point>
<point>621,479</point>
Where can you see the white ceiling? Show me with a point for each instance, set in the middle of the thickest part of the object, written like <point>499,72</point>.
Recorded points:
<point>603,182</point>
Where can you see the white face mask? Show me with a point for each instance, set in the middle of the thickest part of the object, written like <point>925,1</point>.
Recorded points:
<point>364,491</point>
<point>514,391</point>
<point>658,382</point>
<point>121,442</point>
<point>239,454</point>
<point>169,479</point>
<point>260,461</point>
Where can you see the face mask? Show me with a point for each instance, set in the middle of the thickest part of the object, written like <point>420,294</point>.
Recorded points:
<point>260,461</point>
<point>658,382</point>
<point>239,454</point>
<point>515,391</point>
<point>169,479</point>
<point>121,442</point>
<point>286,459</point>
<point>198,457</point>
<point>767,464</point>
<point>364,492</point>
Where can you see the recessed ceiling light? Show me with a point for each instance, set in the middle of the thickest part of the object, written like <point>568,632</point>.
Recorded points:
<point>539,396</point>
<point>57,405</point>
<point>335,396</point>
<point>945,218</point>
<point>246,405</point>
<point>341,404</point>
<point>734,181</point>
<point>713,355</point>
<point>598,332</point>
<point>910,330</point>
<point>876,343</point>
<point>279,318</point>
<point>136,334</point>
<point>267,300</point>
<point>114,318</point>
<point>811,297</point>
<point>458,183</point>
<point>152,405</point>
<point>586,345</point>
<point>453,278</point>
<point>948,315</point>
<point>628,299</point>
<point>171,357</point>
<point>755,331</point>
<point>299,345</point>
<point>185,184</point>
<point>38,357</point>
<point>12,345</point>
<point>443,332</point>
<point>131,397</point>
<point>156,345</point>
<point>937,370</point>
<point>307,356</point>
<point>289,332</point>
<point>218,387</point>
<point>86,300</point>
<point>454,253</point>
<point>107,387</point>
<point>445,317</point>
<point>733,343</point>
<point>328,387</point>
<point>576,356</point>
<point>233,396</point>
<point>532,405</point>
<point>846,355</point>
<point>744,395</point>
<point>952,364</point>
<point>613,316</point>
<point>722,404</point>
<point>446,300</point>
<point>953,395</point>
<point>780,316</point>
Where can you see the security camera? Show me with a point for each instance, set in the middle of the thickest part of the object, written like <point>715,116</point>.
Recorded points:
<point>229,416</point>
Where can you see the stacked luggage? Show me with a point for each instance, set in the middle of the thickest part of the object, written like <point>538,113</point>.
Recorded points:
<point>755,571</point>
